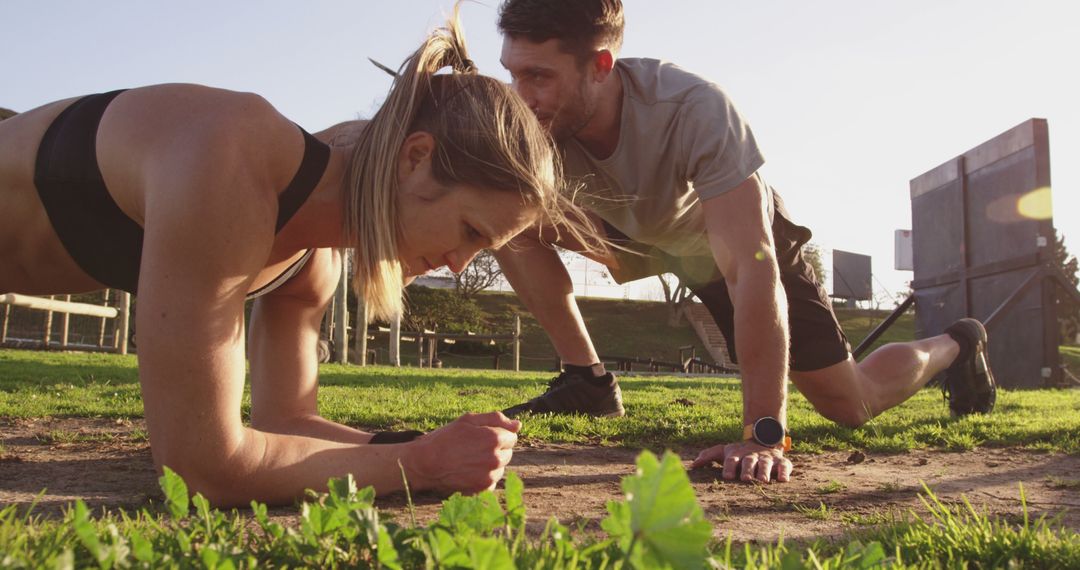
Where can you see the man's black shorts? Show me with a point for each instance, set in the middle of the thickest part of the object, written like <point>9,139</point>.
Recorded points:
<point>816,338</point>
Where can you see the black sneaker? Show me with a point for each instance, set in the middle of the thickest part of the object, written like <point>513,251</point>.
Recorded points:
<point>572,394</point>
<point>969,384</point>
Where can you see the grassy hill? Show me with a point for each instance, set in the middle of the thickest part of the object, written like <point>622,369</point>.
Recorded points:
<point>624,328</point>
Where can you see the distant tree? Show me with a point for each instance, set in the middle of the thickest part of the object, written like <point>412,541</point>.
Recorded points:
<point>481,273</point>
<point>440,309</point>
<point>1068,312</point>
<point>811,252</point>
<point>6,113</point>
<point>676,296</point>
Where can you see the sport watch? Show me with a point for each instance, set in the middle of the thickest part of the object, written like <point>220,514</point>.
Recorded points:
<point>769,432</point>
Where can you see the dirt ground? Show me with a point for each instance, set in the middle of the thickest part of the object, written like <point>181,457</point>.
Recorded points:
<point>107,464</point>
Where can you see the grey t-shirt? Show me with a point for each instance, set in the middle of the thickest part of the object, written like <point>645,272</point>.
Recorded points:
<point>681,141</point>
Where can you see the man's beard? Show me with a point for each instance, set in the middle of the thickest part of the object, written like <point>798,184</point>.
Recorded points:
<point>573,116</point>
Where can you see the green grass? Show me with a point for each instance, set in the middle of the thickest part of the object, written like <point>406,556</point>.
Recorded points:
<point>822,512</point>
<point>1063,483</point>
<point>831,487</point>
<point>40,384</point>
<point>342,529</point>
<point>1070,357</point>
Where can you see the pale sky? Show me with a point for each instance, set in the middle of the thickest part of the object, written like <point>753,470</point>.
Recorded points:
<point>849,100</point>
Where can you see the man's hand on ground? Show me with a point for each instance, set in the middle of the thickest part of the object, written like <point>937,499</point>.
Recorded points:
<point>469,454</point>
<point>759,463</point>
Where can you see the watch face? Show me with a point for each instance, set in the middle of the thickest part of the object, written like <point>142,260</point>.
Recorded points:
<point>768,431</point>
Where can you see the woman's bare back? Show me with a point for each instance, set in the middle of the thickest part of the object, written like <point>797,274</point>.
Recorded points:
<point>139,133</point>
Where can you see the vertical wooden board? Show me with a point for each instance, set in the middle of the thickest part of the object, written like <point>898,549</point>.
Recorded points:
<point>936,233</point>
<point>852,276</point>
<point>998,195</point>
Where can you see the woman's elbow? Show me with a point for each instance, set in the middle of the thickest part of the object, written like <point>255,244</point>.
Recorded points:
<point>223,478</point>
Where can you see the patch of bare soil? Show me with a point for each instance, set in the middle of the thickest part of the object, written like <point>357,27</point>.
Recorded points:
<point>107,464</point>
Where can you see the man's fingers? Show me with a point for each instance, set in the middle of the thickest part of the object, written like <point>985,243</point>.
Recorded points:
<point>749,463</point>
<point>783,470</point>
<point>731,466</point>
<point>765,468</point>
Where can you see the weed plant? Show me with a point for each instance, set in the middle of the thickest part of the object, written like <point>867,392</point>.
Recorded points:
<point>658,524</point>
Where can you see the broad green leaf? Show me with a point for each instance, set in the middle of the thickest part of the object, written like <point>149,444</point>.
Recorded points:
<point>385,552</point>
<point>445,551</point>
<point>665,517</point>
<point>515,503</point>
<point>85,530</point>
<point>209,557</point>
<point>344,489</point>
<point>272,529</point>
<point>489,554</point>
<point>617,524</point>
<point>141,548</point>
<point>176,493</point>
<point>480,513</point>
<point>870,556</point>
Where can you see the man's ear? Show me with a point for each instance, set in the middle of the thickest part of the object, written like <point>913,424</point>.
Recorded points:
<point>603,63</point>
<point>415,152</point>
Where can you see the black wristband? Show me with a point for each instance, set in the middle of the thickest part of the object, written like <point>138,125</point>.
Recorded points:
<point>395,436</point>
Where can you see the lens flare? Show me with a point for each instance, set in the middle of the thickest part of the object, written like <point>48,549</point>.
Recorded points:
<point>1015,208</point>
<point>1036,205</point>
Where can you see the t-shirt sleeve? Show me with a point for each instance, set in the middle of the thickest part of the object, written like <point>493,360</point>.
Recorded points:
<point>720,148</point>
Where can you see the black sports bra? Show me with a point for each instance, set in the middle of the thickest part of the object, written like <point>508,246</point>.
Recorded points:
<point>102,240</point>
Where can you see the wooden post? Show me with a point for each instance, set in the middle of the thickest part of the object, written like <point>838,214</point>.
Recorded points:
<point>125,321</point>
<point>420,350</point>
<point>360,331</point>
<point>3,331</point>
<point>47,337</point>
<point>65,324</point>
<point>328,318</point>
<point>395,341</point>
<point>101,325</point>
<point>341,328</point>
<point>431,348</point>
<point>517,343</point>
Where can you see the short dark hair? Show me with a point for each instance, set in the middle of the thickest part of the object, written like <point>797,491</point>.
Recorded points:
<point>580,25</point>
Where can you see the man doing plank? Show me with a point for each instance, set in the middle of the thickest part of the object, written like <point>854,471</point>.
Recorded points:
<point>672,173</point>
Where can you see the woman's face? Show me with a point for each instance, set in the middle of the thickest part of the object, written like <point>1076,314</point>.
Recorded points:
<point>448,226</point>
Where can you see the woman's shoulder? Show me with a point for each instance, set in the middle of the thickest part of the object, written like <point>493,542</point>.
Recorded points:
<point>189,124</point>
<point>203,109</point>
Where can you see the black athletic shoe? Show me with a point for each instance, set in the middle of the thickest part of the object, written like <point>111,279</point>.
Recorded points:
<point>572,394</point>
<point>969,384</point>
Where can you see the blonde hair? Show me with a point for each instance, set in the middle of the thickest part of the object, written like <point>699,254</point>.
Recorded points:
<point>485,136</point>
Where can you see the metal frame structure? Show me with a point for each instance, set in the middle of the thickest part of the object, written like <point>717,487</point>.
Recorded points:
<point>978,254</point>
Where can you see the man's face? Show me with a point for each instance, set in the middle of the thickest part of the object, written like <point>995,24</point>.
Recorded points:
<point>556,88</point>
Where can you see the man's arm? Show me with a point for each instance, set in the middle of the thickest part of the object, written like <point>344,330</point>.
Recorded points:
<point>539,278</point>
<point>739,230</point>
